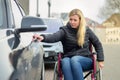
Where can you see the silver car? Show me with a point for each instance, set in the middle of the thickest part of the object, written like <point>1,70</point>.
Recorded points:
<point>51,49</point>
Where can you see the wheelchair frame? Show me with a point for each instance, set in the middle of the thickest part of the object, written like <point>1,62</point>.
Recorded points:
<point>96,72</point>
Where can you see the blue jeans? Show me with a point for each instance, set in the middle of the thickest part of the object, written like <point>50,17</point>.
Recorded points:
<point>73,67</point>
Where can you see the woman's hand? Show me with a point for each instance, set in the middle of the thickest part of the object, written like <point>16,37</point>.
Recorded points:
<point>37,37</point>
<point>101,64</point>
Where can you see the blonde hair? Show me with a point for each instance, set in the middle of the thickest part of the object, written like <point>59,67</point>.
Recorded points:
<point>82,27</point>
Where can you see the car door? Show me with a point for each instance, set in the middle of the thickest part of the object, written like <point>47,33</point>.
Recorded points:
<point>7,39</point>
<point>10,19</point>
<point>14,37</point>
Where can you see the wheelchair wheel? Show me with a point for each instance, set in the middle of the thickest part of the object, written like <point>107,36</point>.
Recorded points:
<point>98,74</point>
<point>43,72</point>
<point>55,77</point>
<point>57,73</point>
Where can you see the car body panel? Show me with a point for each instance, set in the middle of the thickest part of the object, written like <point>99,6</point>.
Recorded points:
<point>30,62</point>
<point>6,67</point>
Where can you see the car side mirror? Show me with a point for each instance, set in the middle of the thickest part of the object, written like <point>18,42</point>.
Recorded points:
<point>31,24</point>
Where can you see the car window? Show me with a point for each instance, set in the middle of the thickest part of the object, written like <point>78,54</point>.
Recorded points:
<point>3,19</point>
<point>53,25</point>
<point>1,14</point>
<point>17,14</point>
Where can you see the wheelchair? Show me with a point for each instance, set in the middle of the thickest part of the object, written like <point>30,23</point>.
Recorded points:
<point>94,74</point>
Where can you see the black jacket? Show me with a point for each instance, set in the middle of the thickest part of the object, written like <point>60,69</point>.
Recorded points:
<point>68,36</point>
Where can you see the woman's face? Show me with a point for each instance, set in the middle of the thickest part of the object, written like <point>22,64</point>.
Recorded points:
<point>74,21</point>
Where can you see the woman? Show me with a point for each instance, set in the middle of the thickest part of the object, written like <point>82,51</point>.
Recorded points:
<point>75,37</point>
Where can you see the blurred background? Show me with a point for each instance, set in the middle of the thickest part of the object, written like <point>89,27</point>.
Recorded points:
<point>103,17</point>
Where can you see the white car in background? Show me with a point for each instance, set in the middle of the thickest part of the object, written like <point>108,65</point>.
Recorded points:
<point>51,49</point>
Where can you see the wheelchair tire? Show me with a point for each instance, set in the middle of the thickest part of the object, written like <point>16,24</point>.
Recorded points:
<point>55,77</point>
<point>98,73</point>
<point>43,72</point>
